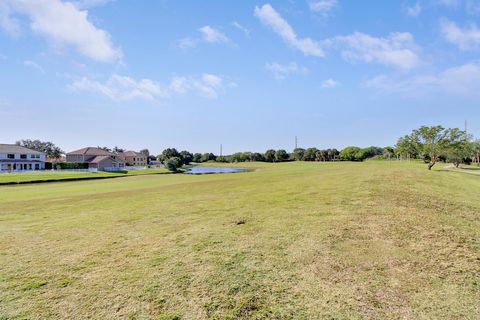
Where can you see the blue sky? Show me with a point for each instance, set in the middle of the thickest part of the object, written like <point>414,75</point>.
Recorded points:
<point>248,74</point>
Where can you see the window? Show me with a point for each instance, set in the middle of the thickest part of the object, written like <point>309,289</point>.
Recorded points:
<point>23,156</point>
<point>11,156</point>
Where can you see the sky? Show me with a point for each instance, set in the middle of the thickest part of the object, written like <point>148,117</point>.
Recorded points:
<point>250,75</point>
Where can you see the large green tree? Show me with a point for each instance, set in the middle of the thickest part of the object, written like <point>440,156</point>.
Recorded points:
<point>49,148</point>
<point>349,153</point>
<point>433,142</point>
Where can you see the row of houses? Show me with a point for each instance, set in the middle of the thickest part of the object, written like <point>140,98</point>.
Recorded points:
<point>18,158</point>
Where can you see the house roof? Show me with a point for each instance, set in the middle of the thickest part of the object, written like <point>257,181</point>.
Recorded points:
<point>99,159</point>
<point>132,154</point>
<point>92,151</point>
<point>13,148</point>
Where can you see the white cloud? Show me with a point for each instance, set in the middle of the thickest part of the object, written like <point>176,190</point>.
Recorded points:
<point>329,84</point>
<point>397,50</point>
<point>241,28</point>
<point>465,39</point>
<point>8,23</point>
<point>122,88</point>
<point>91,3</point>
<point>271,18</point>
<point>449,3</point>
<point>186,43</point>
<point>209,35</point>
<point>473,7</point>
<point>322,6</point>
<point>213,35</point>
<point>413,11</point>
<point>64,24</point>
<point>280,71</point>
<point>461,80</point>
<point>31,64</point>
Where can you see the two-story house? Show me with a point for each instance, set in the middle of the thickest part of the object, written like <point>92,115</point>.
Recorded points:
<point>134,159</point>
<point>96,158</point>
<point>17,158</point>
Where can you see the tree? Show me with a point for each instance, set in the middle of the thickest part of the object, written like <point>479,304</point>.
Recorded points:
<point>270,155</point>
<point>49,148</point>
<point>388,152</point>
<point>367,153</point>
<point>197,157</point>
<point>297,154</point>
<point>173,164</point>
<point>310,154</point>
<point>167,154</point>
<point>407,147</point>
<point>207,157</point>
<point>145,152</point>
<point>459,149</point>
<point>433,142</point>
<point>349,153</point>
<point>321,155</point>
<point>186,157</point>
<point>281,155</point>
<point>118,150</point>
<point>332,154</point>
<point>256,157</point>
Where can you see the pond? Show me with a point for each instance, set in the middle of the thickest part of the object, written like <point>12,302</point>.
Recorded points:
<point>212,170</point>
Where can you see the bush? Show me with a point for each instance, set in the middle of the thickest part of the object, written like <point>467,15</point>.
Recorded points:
<point>71,165</point>
<point>173,164</point>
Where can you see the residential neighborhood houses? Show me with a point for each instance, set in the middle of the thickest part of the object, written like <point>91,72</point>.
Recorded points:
<point>134,159</point>
<point>18,158</point>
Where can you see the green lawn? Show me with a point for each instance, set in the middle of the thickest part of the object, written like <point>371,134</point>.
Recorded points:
<point>373,240</point>
<point>24,177</point>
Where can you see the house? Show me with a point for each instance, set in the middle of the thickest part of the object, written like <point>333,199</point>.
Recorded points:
<point>17,158</point>
<point>97,158</point>
<point>134,159</point>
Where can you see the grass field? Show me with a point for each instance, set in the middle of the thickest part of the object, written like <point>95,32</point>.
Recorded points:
<point>36,176</point>
<point>374,240</point>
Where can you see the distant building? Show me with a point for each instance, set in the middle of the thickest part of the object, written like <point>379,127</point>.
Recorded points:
<point>17,158</point>
<point>134,159</point>
<point>97,158</point>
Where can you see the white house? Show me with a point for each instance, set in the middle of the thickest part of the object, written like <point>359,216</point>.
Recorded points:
<point>17,158</point>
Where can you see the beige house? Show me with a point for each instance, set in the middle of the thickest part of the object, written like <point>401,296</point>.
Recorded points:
<point>134,159</point>
<point>97,158</point>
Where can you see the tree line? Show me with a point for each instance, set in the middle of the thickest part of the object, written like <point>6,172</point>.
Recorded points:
<point>430,144</point>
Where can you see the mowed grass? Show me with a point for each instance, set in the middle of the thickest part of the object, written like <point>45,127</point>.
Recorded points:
<point>374,240</point>
<point>36,176</point>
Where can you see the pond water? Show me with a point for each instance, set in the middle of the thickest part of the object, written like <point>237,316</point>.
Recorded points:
<point>212,170</point>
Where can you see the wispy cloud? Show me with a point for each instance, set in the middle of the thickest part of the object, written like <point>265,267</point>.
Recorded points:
<point>208,35</point>
<point>463,80</point>
<point>241,28</point>
<point>63,24</point>
<point>466,39</point>
<point>123,88</point>
<point>280,71</point>
<point>397,49</point>
<point>449,3</point>
<point>322,6</point>
<point>413,11</point>
<point>187,43</point>
<point>36,66</point>
<point>271,18</point>
<point>329,84</point>
<point>213,35</point>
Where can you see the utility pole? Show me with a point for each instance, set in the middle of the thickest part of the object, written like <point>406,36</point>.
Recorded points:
<point>296,142</point>
<point>466,132</point>
<point>221,147</point>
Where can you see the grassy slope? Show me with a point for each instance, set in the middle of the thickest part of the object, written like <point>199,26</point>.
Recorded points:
<point>371,240</point>
<point>59,175</point>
